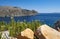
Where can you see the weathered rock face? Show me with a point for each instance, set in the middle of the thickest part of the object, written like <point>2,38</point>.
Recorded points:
<point>48,32</point>
<point>28,33</point>
<point>39,34</point>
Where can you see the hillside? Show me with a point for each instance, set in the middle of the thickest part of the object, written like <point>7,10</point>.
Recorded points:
<point>15,11</point>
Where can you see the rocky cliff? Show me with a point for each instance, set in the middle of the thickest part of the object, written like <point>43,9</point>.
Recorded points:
<point>15,11</point>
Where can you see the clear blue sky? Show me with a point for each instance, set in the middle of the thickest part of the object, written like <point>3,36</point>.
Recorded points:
<point>41,6</point>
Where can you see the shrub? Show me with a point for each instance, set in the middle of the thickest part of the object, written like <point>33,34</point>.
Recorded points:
<point>16,27</point>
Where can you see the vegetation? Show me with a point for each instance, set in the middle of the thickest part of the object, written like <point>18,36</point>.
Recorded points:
<point>16,27</point>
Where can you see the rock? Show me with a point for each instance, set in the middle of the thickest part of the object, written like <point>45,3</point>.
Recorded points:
<point>5,35</point>
<point>38,34</point>
<point>28,33</point>
<point>48,32</point>
<point>21,37</point>
<point>57,25</point>
<point>12,38</point>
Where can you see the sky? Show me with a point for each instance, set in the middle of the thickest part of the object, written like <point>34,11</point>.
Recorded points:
<point>42,6</point>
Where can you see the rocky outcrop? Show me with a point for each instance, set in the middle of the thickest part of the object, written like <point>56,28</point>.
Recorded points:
<point>28,33</point>
<point>15,11</point>
<point>38,34</point>
<point>47,32</point>
<point>42,32</point>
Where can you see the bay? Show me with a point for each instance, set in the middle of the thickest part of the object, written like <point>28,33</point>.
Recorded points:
<point>47,18</point>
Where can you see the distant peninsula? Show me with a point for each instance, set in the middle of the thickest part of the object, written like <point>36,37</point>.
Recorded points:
<point>15,11</point>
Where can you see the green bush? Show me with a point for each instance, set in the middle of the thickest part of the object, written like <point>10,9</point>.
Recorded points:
<point>16,27</point>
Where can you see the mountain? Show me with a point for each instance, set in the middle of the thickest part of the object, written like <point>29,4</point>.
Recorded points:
<point>15,11</point>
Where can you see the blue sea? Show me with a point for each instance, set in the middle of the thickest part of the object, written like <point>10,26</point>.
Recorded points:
<point>47,18</point>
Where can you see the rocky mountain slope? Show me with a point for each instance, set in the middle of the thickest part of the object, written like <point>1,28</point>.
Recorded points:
<point>15,11</point>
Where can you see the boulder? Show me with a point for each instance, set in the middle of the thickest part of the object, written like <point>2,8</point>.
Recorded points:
<point>28,33</point>
<point>12,38</point>
<point>5,35</point>
<point>21,37</point>
<point>46,32</point>
<point>38,34</point>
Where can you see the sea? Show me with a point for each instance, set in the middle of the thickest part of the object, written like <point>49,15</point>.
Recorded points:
<point>47,18</point>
